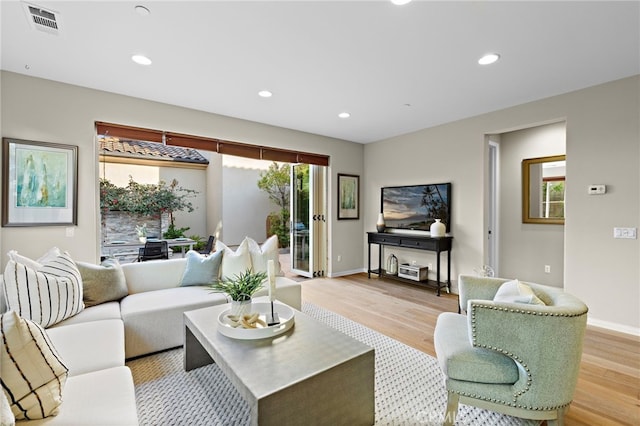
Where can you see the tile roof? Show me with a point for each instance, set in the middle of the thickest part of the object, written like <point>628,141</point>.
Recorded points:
<point>150,151</point>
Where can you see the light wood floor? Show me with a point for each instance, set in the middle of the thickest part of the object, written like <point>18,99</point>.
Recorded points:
<point>608,391</point>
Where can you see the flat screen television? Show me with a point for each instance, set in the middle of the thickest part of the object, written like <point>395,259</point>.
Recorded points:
<point>415,207</point>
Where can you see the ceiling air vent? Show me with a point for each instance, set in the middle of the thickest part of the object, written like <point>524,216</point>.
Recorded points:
<point>42,19</point>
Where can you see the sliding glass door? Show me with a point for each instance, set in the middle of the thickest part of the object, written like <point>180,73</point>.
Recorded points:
<point>308,220</point>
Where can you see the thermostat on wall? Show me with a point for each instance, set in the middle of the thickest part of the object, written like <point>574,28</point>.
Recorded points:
<point>597,189</point>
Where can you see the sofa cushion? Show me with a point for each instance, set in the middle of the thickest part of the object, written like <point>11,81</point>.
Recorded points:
<point>153,320</point>
<point>99,398</point>
<point>154,274</point>
<point>461,361</point>
<point>90,346</point>
<point>516,292</point>
<point>234,262</point>
<point>104,311</point>
<point>102,283</point>
<point>46,296</point>
<point>201,270</point>
<point>260,255</point>
<point>32,371</point>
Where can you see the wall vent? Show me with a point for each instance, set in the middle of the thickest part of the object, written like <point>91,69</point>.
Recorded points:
<point>42,19</point>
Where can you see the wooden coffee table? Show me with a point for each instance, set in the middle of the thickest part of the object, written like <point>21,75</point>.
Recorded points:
<point>312,374</point>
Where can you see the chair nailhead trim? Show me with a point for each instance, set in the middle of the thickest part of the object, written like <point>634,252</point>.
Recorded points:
<point>512,355</point>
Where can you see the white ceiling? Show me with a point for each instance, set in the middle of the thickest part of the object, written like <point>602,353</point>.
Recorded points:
<point>396,69</point>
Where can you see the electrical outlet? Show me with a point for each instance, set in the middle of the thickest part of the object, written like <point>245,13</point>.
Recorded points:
<point>414,263</point>
<point>547,269</point>
<point>339,258</point>
<point>70,231</point>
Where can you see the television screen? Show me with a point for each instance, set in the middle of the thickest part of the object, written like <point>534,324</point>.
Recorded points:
<point>416,207</point>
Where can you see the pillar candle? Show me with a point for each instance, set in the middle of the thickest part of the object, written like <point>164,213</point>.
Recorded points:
<point>272,280</point>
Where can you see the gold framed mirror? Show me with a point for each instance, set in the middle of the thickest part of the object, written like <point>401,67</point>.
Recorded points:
<point>543,190</point>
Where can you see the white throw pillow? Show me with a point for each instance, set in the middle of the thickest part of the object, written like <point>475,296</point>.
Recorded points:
<point>261,255</point>
<point>516,292</point>
<point>201,270</point>
<point>234,262</point>
<point>46,296</point>
<point>52,253</point>
<point>33,375</point>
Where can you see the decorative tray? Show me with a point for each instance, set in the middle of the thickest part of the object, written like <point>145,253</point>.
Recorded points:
<point>287,317</point>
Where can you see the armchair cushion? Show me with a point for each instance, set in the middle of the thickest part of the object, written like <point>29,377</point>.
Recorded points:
<point>461,361</point>
<point>516,292</point>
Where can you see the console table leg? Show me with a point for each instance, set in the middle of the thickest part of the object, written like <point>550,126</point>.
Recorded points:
<point>369,262</point>
<point>438,271</point>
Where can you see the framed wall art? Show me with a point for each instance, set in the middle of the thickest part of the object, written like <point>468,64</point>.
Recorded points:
<point>348,196</point>
<point>39,183</point>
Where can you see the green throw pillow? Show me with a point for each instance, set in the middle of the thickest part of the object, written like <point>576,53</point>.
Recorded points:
<point>201,270</point>
<point>102,283</point>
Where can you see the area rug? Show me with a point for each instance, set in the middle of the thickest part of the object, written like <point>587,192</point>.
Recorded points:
<point>409,388</point>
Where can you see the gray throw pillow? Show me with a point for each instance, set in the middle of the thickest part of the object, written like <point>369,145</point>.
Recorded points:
<point>102,283</point>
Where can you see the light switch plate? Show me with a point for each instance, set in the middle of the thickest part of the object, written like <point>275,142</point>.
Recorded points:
<point>629,233</point>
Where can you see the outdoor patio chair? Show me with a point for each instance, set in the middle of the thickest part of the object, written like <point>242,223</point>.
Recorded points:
<point>209,247</point>
<point>153,250</point>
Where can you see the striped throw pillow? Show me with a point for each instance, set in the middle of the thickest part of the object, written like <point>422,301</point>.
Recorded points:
<point>48,295</point>
<point>31,371</point>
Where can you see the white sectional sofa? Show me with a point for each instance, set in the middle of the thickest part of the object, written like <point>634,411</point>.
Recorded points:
<point>95,343</point>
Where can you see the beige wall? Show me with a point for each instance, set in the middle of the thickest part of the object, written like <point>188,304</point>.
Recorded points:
<point>602,143</point>
<point>245,206</point>
<point>43,110</point>
<point>524,248</point>
<point>602,147</point>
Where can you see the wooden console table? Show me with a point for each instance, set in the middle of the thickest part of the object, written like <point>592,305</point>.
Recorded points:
<point>437,244</point>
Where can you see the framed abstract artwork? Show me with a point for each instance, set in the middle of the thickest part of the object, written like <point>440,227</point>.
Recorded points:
<point>348,196</point>
<point>39,183</point>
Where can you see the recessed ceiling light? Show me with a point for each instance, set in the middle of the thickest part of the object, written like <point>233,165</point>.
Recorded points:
<point>400,2</point>
<point>141,60</point>
<point>265,94</point>
<point>488,59</point>
<point>344,115</point>
<point>142,11</point>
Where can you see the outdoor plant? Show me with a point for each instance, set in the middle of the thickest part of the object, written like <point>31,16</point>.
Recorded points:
<point>141,230</point>
<point>275,181</point>
<point>146,199</point>
<point>241,287</point>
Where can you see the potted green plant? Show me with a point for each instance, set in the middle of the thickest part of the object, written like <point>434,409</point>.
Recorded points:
<point>142,232</point>
<point>240,288</point>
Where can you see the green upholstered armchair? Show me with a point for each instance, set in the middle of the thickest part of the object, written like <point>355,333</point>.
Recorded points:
<point>518,359</point>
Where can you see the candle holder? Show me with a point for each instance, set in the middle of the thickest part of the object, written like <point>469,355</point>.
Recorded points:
<point>272,318</point>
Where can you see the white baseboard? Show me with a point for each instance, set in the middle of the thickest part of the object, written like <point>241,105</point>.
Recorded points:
<point>614,326</point>
<point>344,273</point>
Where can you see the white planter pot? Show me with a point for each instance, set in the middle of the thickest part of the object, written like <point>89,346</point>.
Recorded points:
<point>240,308</point>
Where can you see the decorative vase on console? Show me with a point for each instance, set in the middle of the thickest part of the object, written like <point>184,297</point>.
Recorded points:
<point>380,225</point>
<point>438,229</point>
